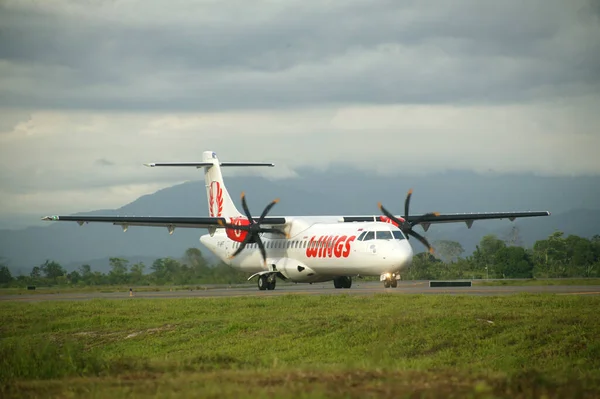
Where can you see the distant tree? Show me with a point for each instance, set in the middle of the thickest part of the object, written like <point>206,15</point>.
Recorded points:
<point>52,270</point>
<point>118,272</point>
<point>166,270</point>
<point>484,257</point>
<point>87,276</point>
<point>513,262</point>
<point>225,274</point>
<point>36,272</point>
<point>424,267</point>
<point>551,256</point>
<point>195,260</point>
<point>85,270</point>
<point>447,250</point>
<point>74,277</point>
<point>5,275</point>
<point>137,272</point>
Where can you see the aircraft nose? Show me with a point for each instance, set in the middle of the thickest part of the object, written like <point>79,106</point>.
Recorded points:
<point>401,256</point>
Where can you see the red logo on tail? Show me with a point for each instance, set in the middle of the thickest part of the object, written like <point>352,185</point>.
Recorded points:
<point>215,199</point>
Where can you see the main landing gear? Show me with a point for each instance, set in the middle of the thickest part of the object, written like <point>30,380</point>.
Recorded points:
<point>390,280</point>
<point>342,282</point>
<point>267,282</point>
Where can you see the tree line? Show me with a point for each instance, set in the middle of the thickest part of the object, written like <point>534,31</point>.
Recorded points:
<point>554,257</point>
<point>192,268</point>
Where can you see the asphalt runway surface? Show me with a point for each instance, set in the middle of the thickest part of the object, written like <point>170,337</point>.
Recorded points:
<point>358,288</point>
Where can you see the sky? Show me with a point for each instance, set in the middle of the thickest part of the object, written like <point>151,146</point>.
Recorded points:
<point>91,90</point>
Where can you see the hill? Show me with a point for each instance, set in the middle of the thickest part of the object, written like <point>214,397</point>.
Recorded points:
<point>573,202</point>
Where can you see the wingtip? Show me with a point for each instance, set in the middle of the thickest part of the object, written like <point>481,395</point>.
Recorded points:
<point>410,191</point>
<point>436,214</point>
<point>379,205</point>
<point>276,200</point>
<point>150,165</point>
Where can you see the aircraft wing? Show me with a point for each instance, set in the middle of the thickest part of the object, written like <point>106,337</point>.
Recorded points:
<point>468,218</point>
<point>171,222</point>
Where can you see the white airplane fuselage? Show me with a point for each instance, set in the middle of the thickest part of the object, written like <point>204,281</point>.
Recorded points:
<point>320,249</point>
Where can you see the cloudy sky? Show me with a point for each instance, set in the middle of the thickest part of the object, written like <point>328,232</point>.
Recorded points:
<point>91,89</point>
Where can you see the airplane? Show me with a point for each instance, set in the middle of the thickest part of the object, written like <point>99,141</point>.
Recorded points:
<point>299,249</point>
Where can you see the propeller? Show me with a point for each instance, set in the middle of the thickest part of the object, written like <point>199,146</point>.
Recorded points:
<point>253,229</point>
<point>406,226</point>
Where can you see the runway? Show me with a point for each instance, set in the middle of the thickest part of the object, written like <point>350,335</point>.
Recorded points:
<point>358,288</point>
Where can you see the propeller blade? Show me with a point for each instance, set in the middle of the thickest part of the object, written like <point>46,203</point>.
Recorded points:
<point>422,217</point>
<point>246,210</point>
<point>242,246</point>
<point>422,239</point>
<point>263,252</point>
<point>407,203</point>
<point>267,209</point>
<point>389,215</point>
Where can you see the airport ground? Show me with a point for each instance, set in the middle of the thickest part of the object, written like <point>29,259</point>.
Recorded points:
<point>577,286</point>
<point>305,341</point>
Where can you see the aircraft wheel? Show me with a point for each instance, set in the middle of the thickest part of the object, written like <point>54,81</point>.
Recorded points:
<point>271,285</point>
<point>262,282</point>
<point>386,283</point>
<point>337,282</point>
<point>347,282</point>
<point>394,283</point>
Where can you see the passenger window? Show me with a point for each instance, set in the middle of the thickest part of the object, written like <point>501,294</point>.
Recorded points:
<point>369,236</point>
<point>398,235</point>
<point>384,235</point>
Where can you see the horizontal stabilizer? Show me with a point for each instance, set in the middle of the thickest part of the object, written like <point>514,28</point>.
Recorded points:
<point>201,164</point>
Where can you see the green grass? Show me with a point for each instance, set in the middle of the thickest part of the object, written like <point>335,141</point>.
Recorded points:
<point>294,346</point>
<point>533,281</point>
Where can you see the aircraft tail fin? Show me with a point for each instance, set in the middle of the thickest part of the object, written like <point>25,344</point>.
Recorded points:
<point>220,203</point>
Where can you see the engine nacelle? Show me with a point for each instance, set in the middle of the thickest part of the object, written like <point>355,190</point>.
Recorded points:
<point>238,235</point>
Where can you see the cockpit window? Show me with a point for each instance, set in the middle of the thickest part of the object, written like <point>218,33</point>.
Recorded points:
<point>384,235</point>
<point>398,235</point>
<point>369,236</point>
<point>361,236</point>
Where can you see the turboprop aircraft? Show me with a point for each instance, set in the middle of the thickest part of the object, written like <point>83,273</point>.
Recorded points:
<point>301,249</point>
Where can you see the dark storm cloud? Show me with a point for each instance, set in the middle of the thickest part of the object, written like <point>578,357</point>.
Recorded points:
<point>253,56</point>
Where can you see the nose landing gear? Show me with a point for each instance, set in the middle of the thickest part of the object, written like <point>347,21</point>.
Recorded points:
<point>390,280</point>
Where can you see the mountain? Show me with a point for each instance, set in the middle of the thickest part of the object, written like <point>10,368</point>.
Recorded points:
<point>573,201</point>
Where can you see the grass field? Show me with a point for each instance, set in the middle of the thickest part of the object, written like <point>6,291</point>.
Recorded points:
<point>533,281</point>
<point>518,346</point>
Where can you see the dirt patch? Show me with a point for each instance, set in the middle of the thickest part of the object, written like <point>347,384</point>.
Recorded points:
<point>166,327</point>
